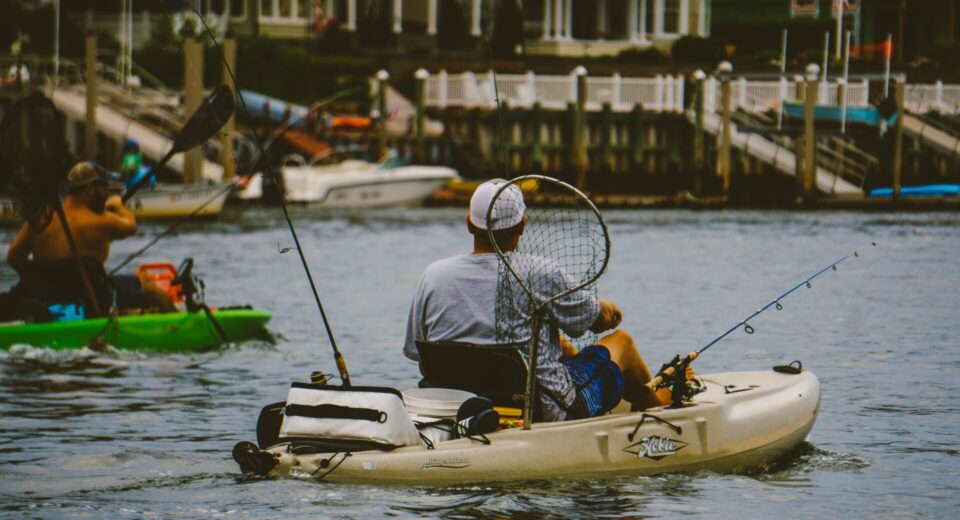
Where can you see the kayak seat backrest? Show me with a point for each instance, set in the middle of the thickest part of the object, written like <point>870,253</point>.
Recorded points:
<point>58,281</point>
<point>496,372</point>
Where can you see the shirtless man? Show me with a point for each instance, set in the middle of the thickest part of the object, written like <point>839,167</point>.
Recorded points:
<point>455,301</point>
<point>96,218</point>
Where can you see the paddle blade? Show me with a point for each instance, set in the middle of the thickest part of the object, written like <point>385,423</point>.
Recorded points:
<point>216,109</point>
<point>32,158</point>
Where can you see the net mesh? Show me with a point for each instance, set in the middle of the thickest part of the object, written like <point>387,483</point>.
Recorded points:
<point>561,253</point>
<point>32,158</point>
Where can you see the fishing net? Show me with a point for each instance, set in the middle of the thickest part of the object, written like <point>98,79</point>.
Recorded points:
<point>552,272</point>
<point>32,158</point>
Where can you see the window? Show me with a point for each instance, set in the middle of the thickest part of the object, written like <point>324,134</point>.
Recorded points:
<point>300,9</point>
<point>238,8</point>
<point>671,16</point>
<point>266,9</point>
<point>651,15</point>
<point>285,9</point>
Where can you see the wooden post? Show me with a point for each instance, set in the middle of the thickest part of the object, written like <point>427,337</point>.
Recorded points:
<point>383,82</point>
<point>698,134</point>
<point>421,76</point>
<point>536,126</point>
<point>809,141</point>
<point>580,129</point>
<point>192,98</point>
<point>637,138</point>
<point>725,135</point>
<point>606,144</point>
<point>226,135</point>
<point>799,87</point>
<point>90,64</point>
<point>899,90</point>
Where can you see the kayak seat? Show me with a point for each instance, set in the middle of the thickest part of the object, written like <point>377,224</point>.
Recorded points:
<point>58,281</point>
<point>496,372</point>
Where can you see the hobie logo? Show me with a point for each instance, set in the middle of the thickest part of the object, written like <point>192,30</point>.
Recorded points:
<point>655,447</point>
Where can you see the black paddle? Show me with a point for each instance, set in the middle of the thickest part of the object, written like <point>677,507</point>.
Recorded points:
<point>209,118</point>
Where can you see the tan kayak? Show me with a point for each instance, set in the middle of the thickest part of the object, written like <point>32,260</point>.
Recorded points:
<point>741,421</point>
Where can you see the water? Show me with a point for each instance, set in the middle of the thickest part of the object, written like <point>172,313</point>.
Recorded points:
<point>126,435</point>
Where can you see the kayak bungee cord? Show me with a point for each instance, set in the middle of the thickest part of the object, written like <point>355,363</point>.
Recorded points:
<point>272,175</point>
<point>673,373</point>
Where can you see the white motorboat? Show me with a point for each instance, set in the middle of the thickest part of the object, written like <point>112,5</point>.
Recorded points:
<point>362,184</point>
<point>741,421</point>
<point>175,200</point>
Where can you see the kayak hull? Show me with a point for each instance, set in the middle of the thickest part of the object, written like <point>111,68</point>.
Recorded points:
<point>743,421</point>
<point>171,332</point>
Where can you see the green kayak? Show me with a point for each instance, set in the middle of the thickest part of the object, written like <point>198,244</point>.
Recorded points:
<point>172,332</point>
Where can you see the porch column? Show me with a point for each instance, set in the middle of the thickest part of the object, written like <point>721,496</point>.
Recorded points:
<point>602,19</point>
<point>397,16</point>
<point>432,17</point>
<point>557,19</point>
<point>352,15</point>
<point>702,29</point>
<point>658,18</point>
<point>328,8</point>
<point>632,20</point>
<point>684,17</point>
<point>568,19</point>
<point>547,18</point>
<point>643,20</point>
<point>475,18</point>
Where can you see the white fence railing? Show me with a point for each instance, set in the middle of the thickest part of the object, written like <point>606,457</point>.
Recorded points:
<point>553,92</point>
<point>762,96</point>
<point>921,99</point>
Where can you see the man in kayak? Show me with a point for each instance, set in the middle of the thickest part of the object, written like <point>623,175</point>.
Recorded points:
<point>96,217</point>
<point>456,301</point>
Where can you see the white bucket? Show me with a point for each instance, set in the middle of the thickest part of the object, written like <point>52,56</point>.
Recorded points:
<point>435,434</point>
<point>435,402</point>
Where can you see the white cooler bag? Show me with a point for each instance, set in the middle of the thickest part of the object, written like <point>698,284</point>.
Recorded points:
<point>355,418</point>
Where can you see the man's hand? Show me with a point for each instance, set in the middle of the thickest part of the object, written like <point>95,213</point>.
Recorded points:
<point>114,204</point>
<point>608,318</point>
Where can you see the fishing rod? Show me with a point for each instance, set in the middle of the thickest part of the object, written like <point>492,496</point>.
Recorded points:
<point>670,372</point>
<point>272,175</point>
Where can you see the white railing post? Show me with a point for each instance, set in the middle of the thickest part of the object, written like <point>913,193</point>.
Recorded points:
<point>616,87</point>
<point>668,94</point>
<point>469,88</point>
<point>442,88</point>
<point>531,88</point>
<point>494,93</point>
<point>742,83</point>
<point>938,96</point>
<point>658,93</point>
<point>679,85</point>
<point>710,95</point>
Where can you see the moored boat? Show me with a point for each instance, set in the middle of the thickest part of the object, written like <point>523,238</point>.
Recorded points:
<point>362,184</point>
<point>174,200</point>
<point>741,421</point>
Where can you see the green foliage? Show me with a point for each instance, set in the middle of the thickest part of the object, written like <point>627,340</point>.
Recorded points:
<point>767,56</point>
<point>752,36</point>
<point>694,49</point>
<point>274,68</point>
<point>945,53</point>
<point>649,56</point>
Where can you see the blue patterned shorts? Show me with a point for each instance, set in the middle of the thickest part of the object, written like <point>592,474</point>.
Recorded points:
<point>598,380</point>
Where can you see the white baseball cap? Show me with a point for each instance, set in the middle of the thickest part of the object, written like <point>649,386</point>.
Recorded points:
<point>507,211</point>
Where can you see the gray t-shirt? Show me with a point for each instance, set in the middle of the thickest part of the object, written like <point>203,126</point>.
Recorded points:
<point>457,300</point>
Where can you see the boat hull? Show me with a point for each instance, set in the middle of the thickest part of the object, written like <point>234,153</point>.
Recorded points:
<point>174,201</point>
<point>171,332</point>
<point>362,185</point>
<point>743,421</point>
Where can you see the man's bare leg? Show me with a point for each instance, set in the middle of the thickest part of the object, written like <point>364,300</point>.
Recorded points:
<point>623,352</point>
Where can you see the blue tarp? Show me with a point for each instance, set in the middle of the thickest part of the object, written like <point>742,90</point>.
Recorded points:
<point>832,113</point>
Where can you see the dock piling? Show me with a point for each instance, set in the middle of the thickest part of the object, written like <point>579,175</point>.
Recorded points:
<point>192,98</point>
<point>227,159</point>
<point>90,73</point>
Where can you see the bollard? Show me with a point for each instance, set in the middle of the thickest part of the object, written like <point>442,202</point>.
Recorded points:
<point>725,135</point>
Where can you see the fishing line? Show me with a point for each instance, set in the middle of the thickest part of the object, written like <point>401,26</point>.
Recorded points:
<point>496,99</point>
<point>338,357</point>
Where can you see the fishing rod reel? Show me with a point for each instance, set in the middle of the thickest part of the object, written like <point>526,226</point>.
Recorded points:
<point>673,375</point>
